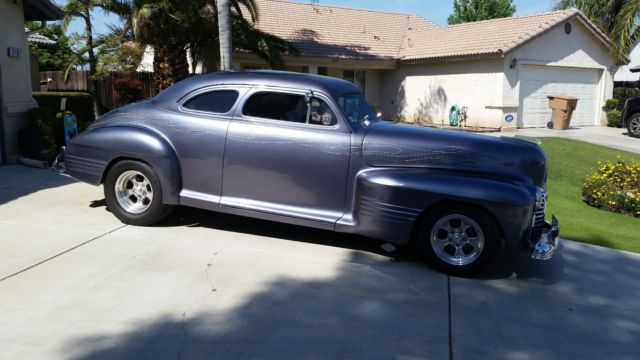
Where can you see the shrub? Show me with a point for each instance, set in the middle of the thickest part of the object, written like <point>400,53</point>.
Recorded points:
<point>614,118</point>
<point>47,119</point>
<point>622,94</point>
<point>36,140</point>
<point>127,90</point>
<point>611,104</point>
<point>614,187</point>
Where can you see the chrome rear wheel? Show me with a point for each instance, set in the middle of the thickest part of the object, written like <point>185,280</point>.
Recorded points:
<point>134,192</point>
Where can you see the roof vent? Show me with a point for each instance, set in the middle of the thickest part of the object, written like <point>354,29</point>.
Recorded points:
<point>567,28</point>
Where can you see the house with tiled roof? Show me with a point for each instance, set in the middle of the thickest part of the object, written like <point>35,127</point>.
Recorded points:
<point>501,71</point>
<point>15,67</point>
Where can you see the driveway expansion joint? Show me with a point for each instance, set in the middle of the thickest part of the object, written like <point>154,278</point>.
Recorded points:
<point>60,254</point>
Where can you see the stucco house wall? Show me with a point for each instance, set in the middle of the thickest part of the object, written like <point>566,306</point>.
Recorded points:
<point>424,93</point>
<point>15,78</point>
<point>490,88</point>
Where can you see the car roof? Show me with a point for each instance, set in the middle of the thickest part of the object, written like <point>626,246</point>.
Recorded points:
<point>328,85</point>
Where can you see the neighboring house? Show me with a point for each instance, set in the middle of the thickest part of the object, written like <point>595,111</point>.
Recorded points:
<point>15,74</point>
<point>34,37</point>
<point>623,73</point>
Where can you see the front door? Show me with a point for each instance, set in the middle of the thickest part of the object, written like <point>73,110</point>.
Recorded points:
<point>287,153</point>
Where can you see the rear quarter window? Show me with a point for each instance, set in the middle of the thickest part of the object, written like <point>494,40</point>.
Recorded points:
<point>220,101</point>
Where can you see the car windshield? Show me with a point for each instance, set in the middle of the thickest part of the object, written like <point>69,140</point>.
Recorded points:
<point>356,109</point>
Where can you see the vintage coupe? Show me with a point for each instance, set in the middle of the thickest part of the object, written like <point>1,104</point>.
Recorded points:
<point>308,150</point>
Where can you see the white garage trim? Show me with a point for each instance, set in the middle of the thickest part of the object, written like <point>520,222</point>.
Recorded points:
<point>537,81</point>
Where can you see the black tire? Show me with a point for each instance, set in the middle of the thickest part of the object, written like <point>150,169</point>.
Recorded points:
<point>633,125</point>
<point>478,259</point>
<point>147,214</point>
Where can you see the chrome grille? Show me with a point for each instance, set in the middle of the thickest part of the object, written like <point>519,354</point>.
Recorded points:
<point>537,222</point>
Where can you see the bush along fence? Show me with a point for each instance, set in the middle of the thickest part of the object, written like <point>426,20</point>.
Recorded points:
<point>43,135</point>
<point>614,107</point>
<point>119,88</point>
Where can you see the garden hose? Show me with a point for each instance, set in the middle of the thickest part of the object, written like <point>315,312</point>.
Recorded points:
<point>454,115</point>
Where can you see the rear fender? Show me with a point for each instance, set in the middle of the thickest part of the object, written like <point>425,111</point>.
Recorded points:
<point>101,148</point>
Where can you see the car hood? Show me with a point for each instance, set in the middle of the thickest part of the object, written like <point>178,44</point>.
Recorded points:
<point>404,145</point>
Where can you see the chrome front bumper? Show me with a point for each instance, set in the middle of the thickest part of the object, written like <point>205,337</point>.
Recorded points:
<point>546,246</point>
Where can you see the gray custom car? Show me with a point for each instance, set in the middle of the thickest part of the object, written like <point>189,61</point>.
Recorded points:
<point>308,150</point>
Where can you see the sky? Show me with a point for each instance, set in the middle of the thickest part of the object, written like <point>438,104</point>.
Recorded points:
<point>434,10</point>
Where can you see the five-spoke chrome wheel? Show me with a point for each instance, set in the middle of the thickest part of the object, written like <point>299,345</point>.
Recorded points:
<point>133,191</point>
<point>456,239</point>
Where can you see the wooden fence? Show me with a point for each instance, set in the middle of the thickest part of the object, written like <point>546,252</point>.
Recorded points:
<point>80,81</point>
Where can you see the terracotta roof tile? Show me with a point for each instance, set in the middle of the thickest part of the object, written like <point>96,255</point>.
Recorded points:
<point>332,31</point>
<point>339,32</point>
<point>490,37</point>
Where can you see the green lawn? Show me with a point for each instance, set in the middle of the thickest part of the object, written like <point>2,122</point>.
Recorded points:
<point>569,163</point>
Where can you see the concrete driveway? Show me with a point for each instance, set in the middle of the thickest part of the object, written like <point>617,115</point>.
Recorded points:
<point>77,284</point>
<point>599,135</point>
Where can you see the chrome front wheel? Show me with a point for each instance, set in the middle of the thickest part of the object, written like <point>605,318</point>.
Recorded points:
<point>457,240</point>
<point>133,191</point>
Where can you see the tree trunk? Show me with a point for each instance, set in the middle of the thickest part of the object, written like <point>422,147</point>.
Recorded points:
<point>93,62</point>
<point>169,65</point>
<point>224,25</point>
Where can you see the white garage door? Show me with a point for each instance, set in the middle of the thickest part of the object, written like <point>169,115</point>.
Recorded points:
<point>537,82</point>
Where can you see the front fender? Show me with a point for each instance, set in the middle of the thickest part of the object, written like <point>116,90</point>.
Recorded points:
<point>90,154</point>
<point>389,201</point>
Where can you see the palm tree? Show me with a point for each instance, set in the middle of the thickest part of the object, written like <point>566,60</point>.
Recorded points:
<point>175,27</point>
<point>616,18</point>
<point>82,9</point>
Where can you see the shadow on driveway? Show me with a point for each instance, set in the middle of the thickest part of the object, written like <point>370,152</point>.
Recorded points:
<point>17,181</point>
<point>581,304</point>
<point>367,311</point>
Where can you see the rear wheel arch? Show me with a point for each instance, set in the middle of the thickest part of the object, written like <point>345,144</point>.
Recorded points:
<point>171,182</point>
<point>117,160</point>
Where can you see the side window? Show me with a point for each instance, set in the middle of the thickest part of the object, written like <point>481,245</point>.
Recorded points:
<point>289,107</point>
<point>220,101</point>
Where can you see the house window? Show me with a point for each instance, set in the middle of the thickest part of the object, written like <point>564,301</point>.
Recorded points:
<point>289,107</point>
<point>323,70</point>
<point>216,101</point>
<point>358,77</point>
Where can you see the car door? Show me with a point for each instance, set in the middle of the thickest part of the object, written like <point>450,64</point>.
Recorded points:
<point>287,153</point>
<point>198,133</point>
